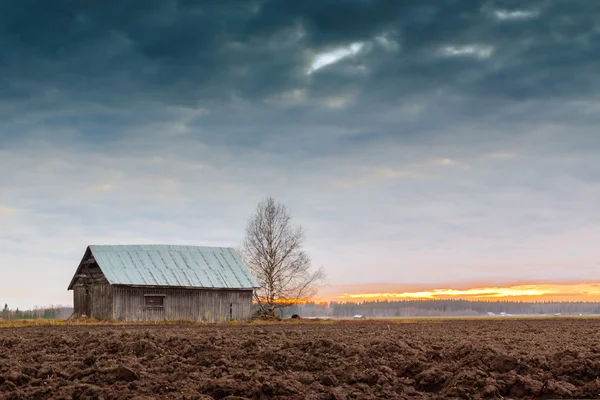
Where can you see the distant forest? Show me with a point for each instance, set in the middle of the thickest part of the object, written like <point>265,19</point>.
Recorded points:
<point>439,308</point>
<point>378,309</point>
<point>51,312</point>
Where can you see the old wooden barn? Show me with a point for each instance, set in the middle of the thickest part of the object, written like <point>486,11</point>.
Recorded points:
<point>162,283</point>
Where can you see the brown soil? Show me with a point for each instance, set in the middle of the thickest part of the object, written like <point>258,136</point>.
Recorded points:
<point>466,359</point>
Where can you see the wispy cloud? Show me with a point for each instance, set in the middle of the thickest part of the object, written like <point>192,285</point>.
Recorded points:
<point>476,51</point>
<point>448,162</point>
<point>5,211</point>
<point>505,15</point>
<point>103,187</point>
<point>324,59</point>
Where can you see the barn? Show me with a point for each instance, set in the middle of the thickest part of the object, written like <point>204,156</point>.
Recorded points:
<point>162,283</point>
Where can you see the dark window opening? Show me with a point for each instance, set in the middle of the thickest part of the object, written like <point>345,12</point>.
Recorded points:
<point>230,311</point>
<point>155,301</point>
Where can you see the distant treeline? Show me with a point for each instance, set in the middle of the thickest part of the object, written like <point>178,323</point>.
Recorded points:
<point>438,308</point>
<point>51,312</point>
<point>377,309</point>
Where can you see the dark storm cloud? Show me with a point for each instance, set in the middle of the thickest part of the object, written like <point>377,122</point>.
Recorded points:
<point>438,133</point>
<point>93,71</point>
<point>247,62</point>
<point>187,52</point>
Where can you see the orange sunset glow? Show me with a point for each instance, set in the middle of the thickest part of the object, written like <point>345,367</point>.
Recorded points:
<point>589,291</point>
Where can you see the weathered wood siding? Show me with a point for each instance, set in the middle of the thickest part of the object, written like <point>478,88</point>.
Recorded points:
<point>101,302</point>
<point>79,301</point>
<point>95,301</point>
<point>201,305</point>
<point>92,295</point>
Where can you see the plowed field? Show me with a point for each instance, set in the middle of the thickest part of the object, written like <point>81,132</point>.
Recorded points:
<point>469,359</point>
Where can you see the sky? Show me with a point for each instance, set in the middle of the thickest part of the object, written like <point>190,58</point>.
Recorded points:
<point>427,143</point>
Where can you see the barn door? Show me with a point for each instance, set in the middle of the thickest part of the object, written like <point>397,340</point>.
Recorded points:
<point>87,302</point>
<point>233,311</point>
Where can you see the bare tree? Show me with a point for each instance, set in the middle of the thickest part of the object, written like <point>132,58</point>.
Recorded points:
<point>272,249</point>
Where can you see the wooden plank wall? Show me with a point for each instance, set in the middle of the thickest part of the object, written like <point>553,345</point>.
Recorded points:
<point>96,303</point>
<point>101,301</point>
<point>79,300</point>
<point>201,305</point>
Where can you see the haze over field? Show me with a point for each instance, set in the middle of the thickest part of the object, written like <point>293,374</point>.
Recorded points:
<point>449,145</point>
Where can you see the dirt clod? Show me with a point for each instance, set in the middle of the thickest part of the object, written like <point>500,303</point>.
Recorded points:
<point>125,374</point>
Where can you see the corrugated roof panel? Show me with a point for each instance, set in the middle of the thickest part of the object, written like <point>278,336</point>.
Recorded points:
<point>204,274</point>
<point>226,267</point>
<point>167,265</point>
<point>157,259</point>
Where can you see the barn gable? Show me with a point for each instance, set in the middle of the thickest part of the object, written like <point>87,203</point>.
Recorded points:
<point>88,271</point>
<point>165,266</point>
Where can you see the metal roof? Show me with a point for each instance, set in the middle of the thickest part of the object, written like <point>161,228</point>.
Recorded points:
<point>168,265</point>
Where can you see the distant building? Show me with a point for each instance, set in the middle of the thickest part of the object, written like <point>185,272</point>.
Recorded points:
<point>162,283</point>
